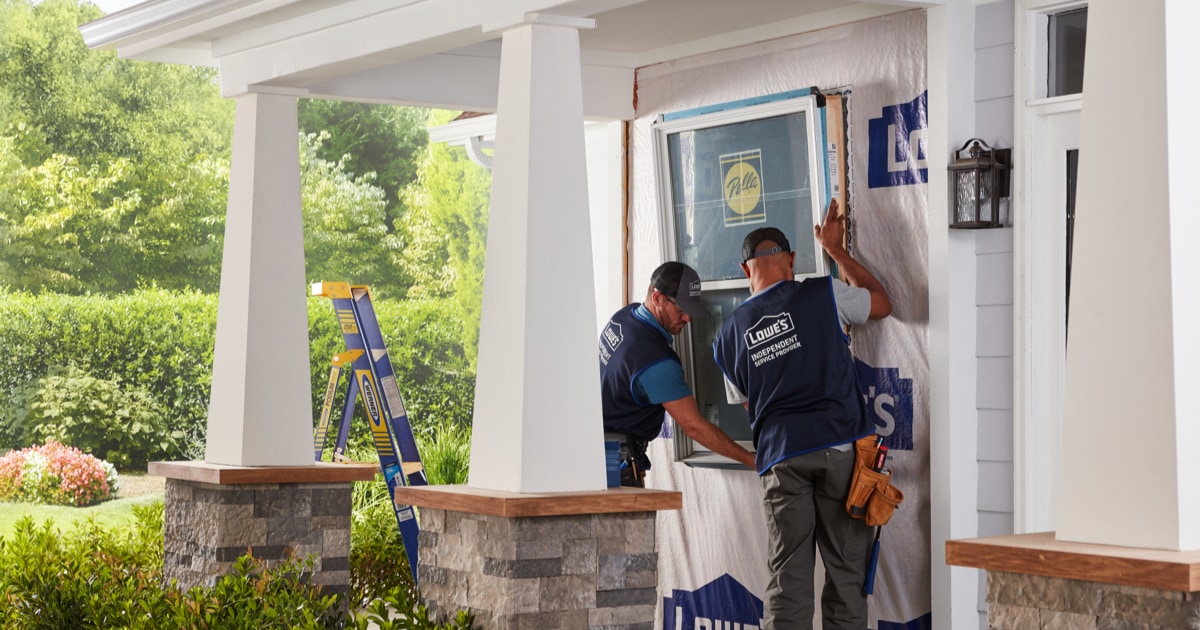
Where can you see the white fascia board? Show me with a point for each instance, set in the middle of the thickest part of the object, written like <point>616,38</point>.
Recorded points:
<point>109,30</point>
<point>198,27</point>
<point>469,83</point>
<point>394,35</point>
<point>275,32</point>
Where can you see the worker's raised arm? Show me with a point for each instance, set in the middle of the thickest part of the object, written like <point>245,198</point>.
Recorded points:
<point>830,233</point>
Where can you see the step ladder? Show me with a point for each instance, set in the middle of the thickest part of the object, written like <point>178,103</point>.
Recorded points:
<point>372,379</point>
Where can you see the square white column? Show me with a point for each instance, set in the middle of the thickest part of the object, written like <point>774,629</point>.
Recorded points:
<point>538,425</point>
<point>1130,439</point>
<point>260,411</point>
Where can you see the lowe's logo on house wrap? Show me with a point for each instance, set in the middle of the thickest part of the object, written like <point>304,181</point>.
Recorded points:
<point>889,401</point>
<point>898,146</point>
<point>722,604</point>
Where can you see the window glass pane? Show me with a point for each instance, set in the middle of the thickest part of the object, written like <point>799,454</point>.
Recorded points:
<point>1068,34</point>
<point>708,382</point>
<point>731,179</point>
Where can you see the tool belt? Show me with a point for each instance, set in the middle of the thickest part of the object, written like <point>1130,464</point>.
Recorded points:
<point>872,496</point>
<point>634,462</point>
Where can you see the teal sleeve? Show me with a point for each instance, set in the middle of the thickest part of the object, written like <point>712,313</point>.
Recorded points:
<point>660,383</point>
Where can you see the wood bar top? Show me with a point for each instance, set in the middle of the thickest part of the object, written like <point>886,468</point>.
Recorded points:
<point>514,504</point>
<point>1042,554</point>
<point>319,472</point>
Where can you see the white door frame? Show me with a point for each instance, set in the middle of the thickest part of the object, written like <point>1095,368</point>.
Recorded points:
<point>1047,128</point>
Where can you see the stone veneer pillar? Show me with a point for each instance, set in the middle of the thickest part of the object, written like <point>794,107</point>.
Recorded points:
<point>214,514</point>
<point>544,561</point>
<point>1035,581</point>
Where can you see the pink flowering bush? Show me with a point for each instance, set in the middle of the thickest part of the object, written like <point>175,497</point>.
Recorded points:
<point>57,474</point>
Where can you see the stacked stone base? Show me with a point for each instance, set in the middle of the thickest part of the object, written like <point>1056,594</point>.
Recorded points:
<point>208,526</point>
<point>543,572</point>
<point>1018,601</point>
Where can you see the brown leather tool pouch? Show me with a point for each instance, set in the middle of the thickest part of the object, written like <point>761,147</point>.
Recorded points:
<point>872,496</point>
<point>882,503</point>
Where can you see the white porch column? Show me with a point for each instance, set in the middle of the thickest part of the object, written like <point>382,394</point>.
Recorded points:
<point>953,430</point>
<point>537,425</point>
<point>1131,425</point>
<point>260,413</point>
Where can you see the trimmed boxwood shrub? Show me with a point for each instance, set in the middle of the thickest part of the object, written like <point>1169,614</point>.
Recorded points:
<point>159,344</point>
<point>153,340</point>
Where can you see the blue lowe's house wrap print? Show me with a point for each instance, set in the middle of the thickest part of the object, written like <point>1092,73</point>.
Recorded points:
<point>898,145</point>
<point>889,400</point>
<point>722,604</point>
<point>924,622</point>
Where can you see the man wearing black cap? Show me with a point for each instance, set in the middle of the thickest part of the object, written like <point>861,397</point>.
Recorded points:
<point>641,376</point>
<point>786,357</point>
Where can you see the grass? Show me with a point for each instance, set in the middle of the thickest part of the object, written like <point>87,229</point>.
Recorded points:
<point>135,490</point>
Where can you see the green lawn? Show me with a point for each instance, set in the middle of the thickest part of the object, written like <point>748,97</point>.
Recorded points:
<point>135,491</point>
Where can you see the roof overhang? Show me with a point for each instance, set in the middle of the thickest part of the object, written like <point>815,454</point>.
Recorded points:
<point>443,53</point>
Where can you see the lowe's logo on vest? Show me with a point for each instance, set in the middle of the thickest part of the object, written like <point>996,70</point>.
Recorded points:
<point>897,145</point>
<point>768,328</point>
<point>610,340</point>
<point>722,604</point>
<point>889,401</point>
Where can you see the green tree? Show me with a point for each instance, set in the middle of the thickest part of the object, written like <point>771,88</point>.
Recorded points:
<point>59,219</point>
<point>114,171</point>
<point>382,139</point>
<point>345,231</point>
<point>446,231</point>
<point>93,106</point>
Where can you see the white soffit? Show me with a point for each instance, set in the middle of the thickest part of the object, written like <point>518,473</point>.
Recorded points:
<point>441,53</point>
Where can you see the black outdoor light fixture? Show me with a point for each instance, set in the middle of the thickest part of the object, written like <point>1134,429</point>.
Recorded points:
<point>977,184</point>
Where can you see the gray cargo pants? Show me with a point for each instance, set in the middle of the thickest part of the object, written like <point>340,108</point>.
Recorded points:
<point>805,502</point>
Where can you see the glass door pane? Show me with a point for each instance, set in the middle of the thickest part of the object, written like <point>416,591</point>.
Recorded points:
<point>1072,179</point>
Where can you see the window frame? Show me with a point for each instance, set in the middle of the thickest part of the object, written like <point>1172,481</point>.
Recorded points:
<point>815,152</point>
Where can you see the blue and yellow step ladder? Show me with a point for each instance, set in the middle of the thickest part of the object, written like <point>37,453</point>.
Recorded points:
<point>373,379</point>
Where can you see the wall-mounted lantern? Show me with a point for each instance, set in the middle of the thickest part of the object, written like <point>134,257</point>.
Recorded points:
<point>977,184</point>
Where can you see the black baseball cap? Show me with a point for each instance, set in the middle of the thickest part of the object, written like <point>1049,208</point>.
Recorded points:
<point>755,238</point>
<point>680,283</point>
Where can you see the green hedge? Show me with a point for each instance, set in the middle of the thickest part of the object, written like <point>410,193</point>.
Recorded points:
<point>161,342</point>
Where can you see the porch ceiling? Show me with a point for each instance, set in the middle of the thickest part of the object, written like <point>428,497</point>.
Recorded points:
<point>443,53</point>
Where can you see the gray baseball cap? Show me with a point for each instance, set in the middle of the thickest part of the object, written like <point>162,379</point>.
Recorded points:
<point>755,238</point>
<point>680,283</point>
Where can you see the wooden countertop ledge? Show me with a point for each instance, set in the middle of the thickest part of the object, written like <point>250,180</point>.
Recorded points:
<point>513,504</point>
<point>1042,554</point>
<point>318,472</point>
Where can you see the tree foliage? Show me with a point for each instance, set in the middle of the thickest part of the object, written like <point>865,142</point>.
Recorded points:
<point>345,225</point>
<point>446,231</point>
<point>382,139</point>
<point>114,172</point>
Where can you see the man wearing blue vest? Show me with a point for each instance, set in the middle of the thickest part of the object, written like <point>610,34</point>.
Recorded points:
<point>641,377</point>
<point>786,357</point>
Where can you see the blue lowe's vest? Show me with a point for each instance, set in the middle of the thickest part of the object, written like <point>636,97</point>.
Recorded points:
<point>785,350</point>
<point>628,346</point>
